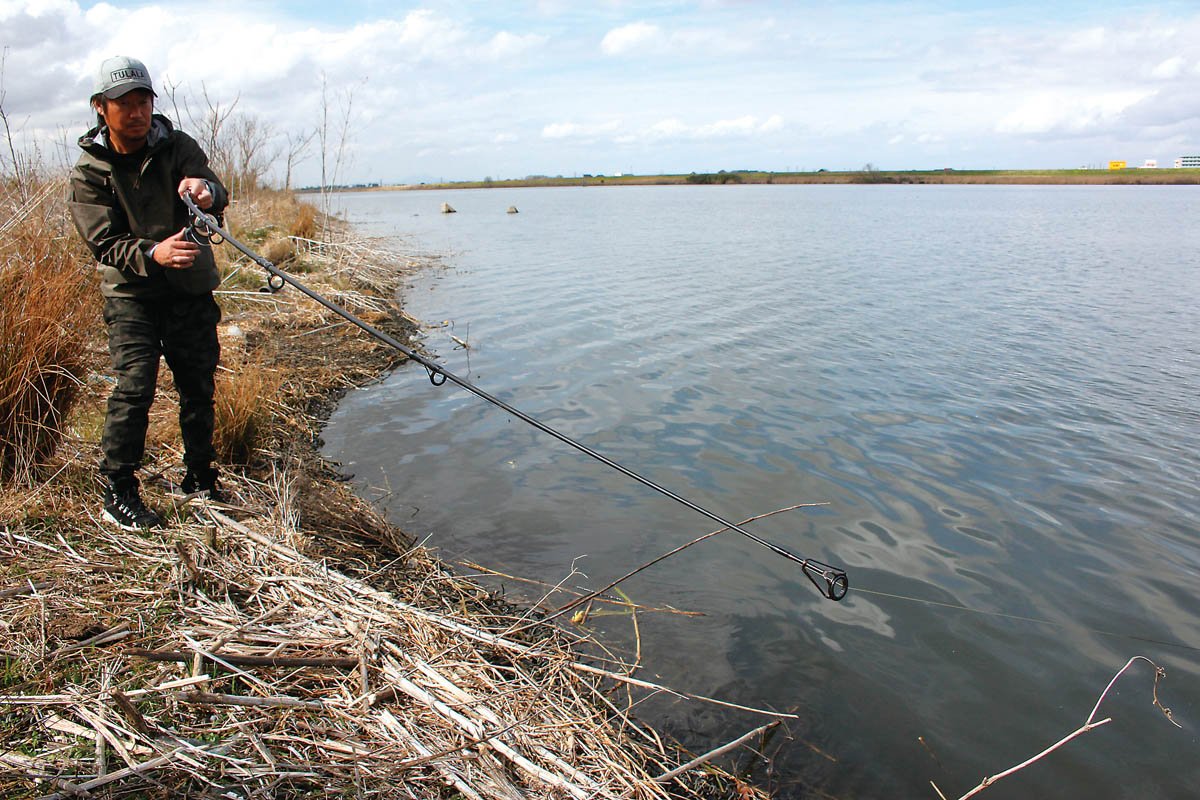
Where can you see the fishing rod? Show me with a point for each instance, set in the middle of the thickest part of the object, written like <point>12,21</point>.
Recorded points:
<point>205,229</point>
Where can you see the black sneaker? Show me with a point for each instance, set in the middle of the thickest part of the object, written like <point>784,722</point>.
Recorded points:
<point>202,482</point>
<point>124,508</point>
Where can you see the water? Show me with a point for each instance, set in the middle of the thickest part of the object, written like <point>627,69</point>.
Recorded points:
<point>992,389</point>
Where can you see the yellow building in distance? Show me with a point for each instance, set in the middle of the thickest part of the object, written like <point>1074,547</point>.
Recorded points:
<point>1116,165</point>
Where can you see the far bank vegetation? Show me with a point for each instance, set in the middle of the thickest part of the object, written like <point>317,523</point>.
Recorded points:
<point>869,174</point>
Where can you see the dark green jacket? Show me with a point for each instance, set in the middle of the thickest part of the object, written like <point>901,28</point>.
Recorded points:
<point>124,204</point>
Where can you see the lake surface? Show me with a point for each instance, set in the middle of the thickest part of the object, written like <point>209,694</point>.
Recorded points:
<point>992,389</point>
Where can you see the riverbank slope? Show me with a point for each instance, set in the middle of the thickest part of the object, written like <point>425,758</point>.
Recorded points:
<point>289,642</point>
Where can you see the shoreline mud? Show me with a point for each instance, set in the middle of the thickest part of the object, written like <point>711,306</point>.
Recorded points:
<point>291,642</point>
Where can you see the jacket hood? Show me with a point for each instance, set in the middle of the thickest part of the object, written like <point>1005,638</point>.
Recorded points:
<point>96,143</point>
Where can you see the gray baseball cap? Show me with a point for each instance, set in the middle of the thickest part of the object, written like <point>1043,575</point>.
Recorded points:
<point>119,75</point>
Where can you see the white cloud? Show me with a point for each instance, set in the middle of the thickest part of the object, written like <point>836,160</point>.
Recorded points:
<point>560,130</point>
<point>506,45</point>
<point>421,34</point>
<point>37,8</point>
<point>742,126</point>
<point>572,130</point>
<point>634,36</point>
<point>772,124</point>
<point>669,128</point>
<point>1171,68</point>
<point>646,39</point>
<point>1044,112</point>
<point>1088,40</point>
<point>745,126</point>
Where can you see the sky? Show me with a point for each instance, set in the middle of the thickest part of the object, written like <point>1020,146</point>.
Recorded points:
<point>470,90</point>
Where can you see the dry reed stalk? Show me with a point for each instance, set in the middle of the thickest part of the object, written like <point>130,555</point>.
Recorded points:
<point>44,316</point>
<point>281,700</point>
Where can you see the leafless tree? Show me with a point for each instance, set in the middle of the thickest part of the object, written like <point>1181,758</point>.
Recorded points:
<point>337,137</point>
<point>251,150</point>
<point>297,147</point>
<point>240,146</point>
<point>209,125</point>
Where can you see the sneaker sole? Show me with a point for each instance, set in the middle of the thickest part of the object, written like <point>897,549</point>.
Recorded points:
<point>108,517</point>
<point>204,494</point>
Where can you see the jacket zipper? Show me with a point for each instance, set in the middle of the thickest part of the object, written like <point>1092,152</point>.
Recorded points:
<point>145,164</point>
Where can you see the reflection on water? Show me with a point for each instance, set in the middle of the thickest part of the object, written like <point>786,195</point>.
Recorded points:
<point>992,389</point>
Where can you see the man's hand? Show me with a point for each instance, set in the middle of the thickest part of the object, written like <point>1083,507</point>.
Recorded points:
<point>176,252</point>
<point>198,189</point>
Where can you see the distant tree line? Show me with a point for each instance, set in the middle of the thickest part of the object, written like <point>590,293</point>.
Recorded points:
<point>714,177</point>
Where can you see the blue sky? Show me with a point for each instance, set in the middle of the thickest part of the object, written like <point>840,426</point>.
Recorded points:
<point>466,90</point>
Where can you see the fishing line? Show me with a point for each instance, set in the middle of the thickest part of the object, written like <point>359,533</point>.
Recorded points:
<point>1019,618</point>
<point>829,580</point>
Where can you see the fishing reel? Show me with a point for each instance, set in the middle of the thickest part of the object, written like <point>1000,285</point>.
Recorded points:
<point>204,230</point>
<point>200,232</point>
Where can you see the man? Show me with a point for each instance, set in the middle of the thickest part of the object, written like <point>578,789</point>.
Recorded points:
<point>157,284</point>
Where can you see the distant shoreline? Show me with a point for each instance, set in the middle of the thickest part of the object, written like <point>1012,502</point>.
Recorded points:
<point>1122,177</point>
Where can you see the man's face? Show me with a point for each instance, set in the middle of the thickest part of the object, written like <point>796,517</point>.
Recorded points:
<point>128,117</point>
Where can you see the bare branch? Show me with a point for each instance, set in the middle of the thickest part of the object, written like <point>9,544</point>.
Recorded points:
<point>1088,725</point>
<point>19,170</point>
<point>171,90</point>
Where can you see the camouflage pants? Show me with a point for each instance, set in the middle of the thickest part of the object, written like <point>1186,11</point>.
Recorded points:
<point>183,330</point>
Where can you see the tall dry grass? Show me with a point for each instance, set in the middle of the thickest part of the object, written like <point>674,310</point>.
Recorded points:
<point>47,309</point>
<point>242,411</point>
<point>304,224</point>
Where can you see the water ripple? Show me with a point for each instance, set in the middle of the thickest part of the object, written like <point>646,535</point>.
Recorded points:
<point>992,388</point>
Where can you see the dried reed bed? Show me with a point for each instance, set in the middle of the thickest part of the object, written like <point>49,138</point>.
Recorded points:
<point>291,643</point>
<point>226,658</point>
